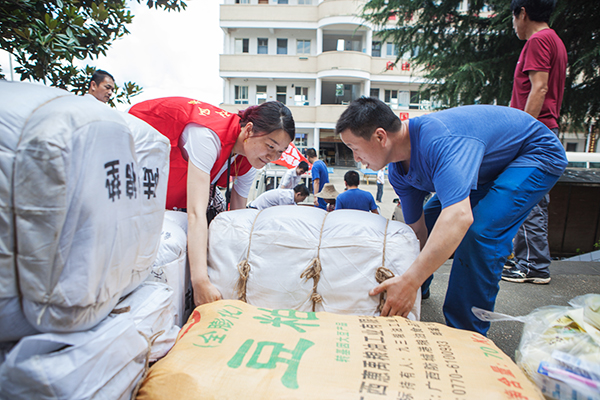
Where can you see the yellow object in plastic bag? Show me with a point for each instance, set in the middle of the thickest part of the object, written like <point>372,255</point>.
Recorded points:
<point>232,350</point>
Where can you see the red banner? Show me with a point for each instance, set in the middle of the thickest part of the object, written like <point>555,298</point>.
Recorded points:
<point>291,157</point>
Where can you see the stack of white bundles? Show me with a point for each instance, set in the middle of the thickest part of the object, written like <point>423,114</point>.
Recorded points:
<point>171,260</point>
<point>306,259</point>
<point>85,186</point>
<point>105,362</point>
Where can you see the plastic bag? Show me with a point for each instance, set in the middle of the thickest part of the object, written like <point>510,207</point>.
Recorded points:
<point>560,348</point>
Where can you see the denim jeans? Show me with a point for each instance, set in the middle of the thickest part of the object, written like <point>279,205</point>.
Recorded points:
<point>499,208</point>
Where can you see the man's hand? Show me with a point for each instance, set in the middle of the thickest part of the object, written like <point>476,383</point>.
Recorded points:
<point>401,296</point>
<point>316,202</point>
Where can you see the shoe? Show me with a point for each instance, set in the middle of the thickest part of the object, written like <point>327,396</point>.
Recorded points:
<point>516,274</point>
<point>510,262</point>
<point>425,295</point>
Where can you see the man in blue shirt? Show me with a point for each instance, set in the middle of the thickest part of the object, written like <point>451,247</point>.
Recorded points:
<point>355,198</point>
<point>488,165</point>
<point>320,176</point>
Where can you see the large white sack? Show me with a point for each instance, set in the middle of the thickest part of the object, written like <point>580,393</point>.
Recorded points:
<point>170,265</point>
<point>104,362</point>
<point>88,191</point>
<point>280,243</point>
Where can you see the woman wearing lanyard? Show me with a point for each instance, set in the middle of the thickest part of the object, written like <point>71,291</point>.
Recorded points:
<point>208,145</point>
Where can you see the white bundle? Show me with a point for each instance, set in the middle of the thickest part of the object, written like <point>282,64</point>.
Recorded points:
<point>306,259</point>
<point>86,188</point>
<point>105,362</point>
<point>171,260</point>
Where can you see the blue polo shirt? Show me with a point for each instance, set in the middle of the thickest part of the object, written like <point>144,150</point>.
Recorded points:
<point>456,150</point>
<point>355,199</point>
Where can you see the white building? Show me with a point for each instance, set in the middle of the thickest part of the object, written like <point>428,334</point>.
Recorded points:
<point>315,56</point>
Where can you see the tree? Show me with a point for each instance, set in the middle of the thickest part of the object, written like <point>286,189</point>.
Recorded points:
<point>471,54</point>
<point>47,36</point>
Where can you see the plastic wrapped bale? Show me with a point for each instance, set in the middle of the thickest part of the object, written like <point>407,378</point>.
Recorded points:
<point>105,362</point>
<point>86,192</point>
<point>560,349</point>
<point>170,265</point>
<point>306,259</point>
<point>232,350</point>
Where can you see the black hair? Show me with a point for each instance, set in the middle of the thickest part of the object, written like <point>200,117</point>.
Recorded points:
<point>99,77</point>
<point>302,189</point>
<point>311,153</point>
<point>303,165</point>
<point>268,117</point>
<point>537,10</point>
<point>351,178</point>
<point>364,115</point>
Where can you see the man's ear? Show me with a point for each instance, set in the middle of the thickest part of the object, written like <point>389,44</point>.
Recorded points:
<point>380,136</point>
<point>93,87</point>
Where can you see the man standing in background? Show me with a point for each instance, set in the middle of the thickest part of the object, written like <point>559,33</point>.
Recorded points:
<point>319,175</point>
<point>292,176</point>
<point>538,88</point>
<point>102,85</point>
<point>380,181</point>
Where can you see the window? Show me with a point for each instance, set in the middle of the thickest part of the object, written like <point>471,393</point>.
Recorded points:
<point>241,45</point>
<point>263,46</point>
<point>391,49</point>
<point>301,140</point>
<point>261,94</point>
<point>391,98</point>
<point>281,94</point>
<point>304,1</point>
<point>571,146</point>
<point>375,93</point>
<point>281,46</point>
<point>376,49</point>
<point>301,98</point>
<point>282,1</point>
<point>419,101</point>
<point>242,1</point>
<point>303,46</point>
<point>241,94</point>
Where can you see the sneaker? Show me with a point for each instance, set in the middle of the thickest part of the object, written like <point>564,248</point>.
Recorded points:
<point>516,274</point>
<point>510,263</point>
<point>425,295</point>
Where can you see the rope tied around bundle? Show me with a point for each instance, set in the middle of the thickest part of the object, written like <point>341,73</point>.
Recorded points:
<point>150,340</point>
<point>382,274</point>
<point>244,268</point>
<point>313,271</point>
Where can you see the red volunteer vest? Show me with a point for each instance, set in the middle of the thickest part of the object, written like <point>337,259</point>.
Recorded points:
<point>169,116</point>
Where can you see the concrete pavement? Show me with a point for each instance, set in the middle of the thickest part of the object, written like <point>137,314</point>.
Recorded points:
<point>569,279</point>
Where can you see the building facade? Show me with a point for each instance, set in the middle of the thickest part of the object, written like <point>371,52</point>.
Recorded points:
<point>315,56</point>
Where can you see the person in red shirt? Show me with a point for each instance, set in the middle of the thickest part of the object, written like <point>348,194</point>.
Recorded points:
<point>208,145</point>
<point>538,88</point>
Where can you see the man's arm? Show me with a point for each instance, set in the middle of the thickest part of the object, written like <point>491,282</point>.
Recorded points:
<point>449,230</point>
<point>539,88</point>
<point>316,190</point>
<point>237,202</point>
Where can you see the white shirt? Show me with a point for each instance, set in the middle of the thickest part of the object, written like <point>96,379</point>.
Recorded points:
<point>202,147</point>
<point>380,177</point>
<point>290,179</point>
<point>274,197</point>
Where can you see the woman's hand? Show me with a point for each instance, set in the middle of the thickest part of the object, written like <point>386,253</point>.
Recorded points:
<point>206,293</point>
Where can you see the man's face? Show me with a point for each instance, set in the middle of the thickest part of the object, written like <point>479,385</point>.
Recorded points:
<point>299,171</point>
<point>368,152</point>
<point>519,25</point>
<point>299,197</point>
<point>104,90</point>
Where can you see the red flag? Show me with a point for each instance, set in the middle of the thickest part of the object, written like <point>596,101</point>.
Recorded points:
<point>291,157</point>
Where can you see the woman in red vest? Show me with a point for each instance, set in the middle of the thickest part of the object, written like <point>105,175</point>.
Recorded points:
<point>209,144</point>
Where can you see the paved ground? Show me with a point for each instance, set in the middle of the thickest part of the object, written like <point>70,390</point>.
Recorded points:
<point>569,279</point>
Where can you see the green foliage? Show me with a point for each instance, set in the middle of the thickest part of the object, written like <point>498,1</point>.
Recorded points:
<point>46,37</point>
<point>471,55</point>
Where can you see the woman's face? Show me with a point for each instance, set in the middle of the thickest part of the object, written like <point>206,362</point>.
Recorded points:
<point>261,150</point>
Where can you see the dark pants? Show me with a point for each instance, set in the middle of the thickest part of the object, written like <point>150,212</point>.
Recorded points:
<point>379,192</point>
